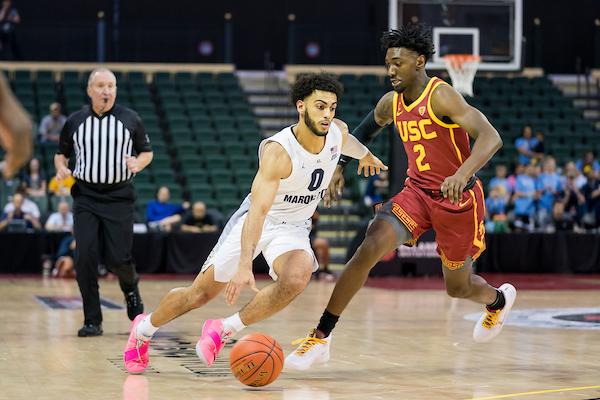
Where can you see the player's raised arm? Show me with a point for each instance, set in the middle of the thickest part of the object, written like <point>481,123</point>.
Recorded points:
<point>448,103</point>
<point>275,165</point>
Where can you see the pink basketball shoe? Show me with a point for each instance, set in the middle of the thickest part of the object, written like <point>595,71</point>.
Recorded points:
<point>136,351</point>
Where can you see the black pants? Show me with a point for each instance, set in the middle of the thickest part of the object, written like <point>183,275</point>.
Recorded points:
<point>103,214</point>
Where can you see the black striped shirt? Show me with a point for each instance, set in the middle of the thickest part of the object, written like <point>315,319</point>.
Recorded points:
<point>101,143</point>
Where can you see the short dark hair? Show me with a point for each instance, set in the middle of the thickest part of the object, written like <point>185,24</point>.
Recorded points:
<point>305,85</point>
<point>410,37</point>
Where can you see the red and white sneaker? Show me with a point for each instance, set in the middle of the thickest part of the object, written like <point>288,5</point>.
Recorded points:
<point>212,341</point>
<point>136,350</point>
<point>490,323</point>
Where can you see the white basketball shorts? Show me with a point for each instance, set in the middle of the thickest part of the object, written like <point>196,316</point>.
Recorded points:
<point>276,239</point>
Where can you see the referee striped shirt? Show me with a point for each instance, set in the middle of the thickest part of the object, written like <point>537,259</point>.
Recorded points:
<point>100,143</point>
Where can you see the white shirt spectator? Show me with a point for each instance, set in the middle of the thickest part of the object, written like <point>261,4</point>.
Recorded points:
<point>29,207</point>
<point>58,222</point>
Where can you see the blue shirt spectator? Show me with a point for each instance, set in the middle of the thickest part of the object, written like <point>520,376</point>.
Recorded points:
<point>525,193</point>
<point>162,215</point>
<point>501,181</point>
<point>548,184</point>
<point>525,145</point>
<point>587,159</point>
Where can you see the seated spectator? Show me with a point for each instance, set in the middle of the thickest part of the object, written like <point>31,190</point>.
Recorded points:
<point>378,188</point>
<point>588,160</point>
<point>579,179</point>
<point>18,213</point>
<point>63,267</point>
<point>525,196</point>
<point>495,210</point>
<point>563,221</point>
<point>591,192</point>
<point>162,215</point>
<point>52,124</point>
<point>320,247</point>
<point>549,186</point>
<point>502,182</point>
<point>573,200</point>
<point>62,220</point>
<point>198,220</point>
<point>35,180</point>
<point>28,206</point>
<point>525,145</point>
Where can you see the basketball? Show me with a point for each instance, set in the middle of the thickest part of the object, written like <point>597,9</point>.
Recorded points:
<point>256,359</point>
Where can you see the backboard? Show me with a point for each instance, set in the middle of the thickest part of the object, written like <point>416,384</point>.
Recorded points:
<point>492,29</point>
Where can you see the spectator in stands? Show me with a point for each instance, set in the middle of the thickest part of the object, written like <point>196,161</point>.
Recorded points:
<point>540,147</point>
<point>62,220</point>
<point>526,146</point>
<point>573,200</point>
<point>512,179</point>
<point>525,196</point>
<point>580,180</point>
<point>563,221</point>
<point>548,186</point>
<point>495,210</point>
<point>591,191</point>
<point>162,215</point>
<point>378,188</point>
<point>28,206</point>
<point>9,19</point>
<point>52,124</point>
<point>501,181</point>
<point>588,159</point>
<point>35,180</point>
<point>198,220</point>
<point>18,213</point>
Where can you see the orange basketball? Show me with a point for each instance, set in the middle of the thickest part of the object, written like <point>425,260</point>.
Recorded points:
<point>256,359</point>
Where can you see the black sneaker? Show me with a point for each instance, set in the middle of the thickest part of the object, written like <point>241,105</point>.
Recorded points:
<point>90,330</point>
<point>135,306</point>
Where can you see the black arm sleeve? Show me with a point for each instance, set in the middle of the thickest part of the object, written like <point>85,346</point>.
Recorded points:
<point>365,132</point>
<point>65,144</point>
<point>141,140</point>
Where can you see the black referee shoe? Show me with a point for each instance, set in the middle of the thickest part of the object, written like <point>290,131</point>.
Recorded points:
<point>135,306</point>
<point>90,330</point>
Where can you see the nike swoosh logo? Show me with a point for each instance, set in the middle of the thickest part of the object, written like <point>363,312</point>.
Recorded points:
<point>399,112</point>
<point>464,203</point>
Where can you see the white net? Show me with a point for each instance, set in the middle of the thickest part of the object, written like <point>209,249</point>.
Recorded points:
<point>462,69</point>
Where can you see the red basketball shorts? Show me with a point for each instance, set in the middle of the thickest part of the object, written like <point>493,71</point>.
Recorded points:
<point>459,228</point>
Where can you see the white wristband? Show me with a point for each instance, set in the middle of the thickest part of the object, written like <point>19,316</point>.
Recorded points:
<point>354,148</point>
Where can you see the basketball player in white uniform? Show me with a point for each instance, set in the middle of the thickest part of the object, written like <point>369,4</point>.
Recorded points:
<point>296,166</point>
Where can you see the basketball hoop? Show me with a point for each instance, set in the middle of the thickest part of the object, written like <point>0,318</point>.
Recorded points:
<point>462,69</point>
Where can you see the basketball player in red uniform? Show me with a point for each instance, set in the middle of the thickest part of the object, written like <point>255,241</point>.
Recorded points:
<point>441,192</point>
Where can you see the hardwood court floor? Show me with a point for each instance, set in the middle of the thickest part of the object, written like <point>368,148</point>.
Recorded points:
<point>390,344</point>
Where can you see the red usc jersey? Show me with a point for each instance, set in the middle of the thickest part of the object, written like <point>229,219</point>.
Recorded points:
<point>434,148</point>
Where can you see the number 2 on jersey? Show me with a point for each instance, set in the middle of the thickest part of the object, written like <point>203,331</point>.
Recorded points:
<point>419,148</point>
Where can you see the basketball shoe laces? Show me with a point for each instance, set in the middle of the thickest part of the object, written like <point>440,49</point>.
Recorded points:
<point>491,319</point>
<point>139,344</point>
<point>308,343</point>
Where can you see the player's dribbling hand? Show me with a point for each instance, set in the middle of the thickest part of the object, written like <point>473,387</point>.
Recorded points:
<point>370,165</point>
<point>452,188</point>
<point>335,188</point>
<point>234,287</point>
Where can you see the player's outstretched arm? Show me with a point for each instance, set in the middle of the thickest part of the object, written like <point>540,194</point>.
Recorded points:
<point>448,103</point>
<point>15,131</point>
<point>275,165</point>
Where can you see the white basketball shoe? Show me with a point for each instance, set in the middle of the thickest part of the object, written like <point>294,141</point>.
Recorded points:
<point>312,351</point>
<point>490,324</point>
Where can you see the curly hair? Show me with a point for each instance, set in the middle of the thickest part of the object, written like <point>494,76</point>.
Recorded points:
<point>305,85</point>
<point>410,37</point>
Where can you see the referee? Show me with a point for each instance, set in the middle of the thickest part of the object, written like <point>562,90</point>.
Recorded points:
<point>102,138</point>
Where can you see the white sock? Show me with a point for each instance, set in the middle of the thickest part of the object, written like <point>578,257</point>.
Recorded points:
<point>233,323</point>
<point>145,330</point>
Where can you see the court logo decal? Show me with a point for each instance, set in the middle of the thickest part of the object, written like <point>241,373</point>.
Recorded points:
<point>73,303</point>
<point>563,318</point>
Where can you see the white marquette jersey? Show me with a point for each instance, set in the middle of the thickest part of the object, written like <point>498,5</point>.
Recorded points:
<point>299,194</point>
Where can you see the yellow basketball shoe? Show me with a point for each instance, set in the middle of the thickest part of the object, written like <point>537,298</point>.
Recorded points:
<point>490,324</point>
<point>312,350</point>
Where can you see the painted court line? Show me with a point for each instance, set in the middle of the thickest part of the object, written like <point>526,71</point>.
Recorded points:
<point>528,393</point>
